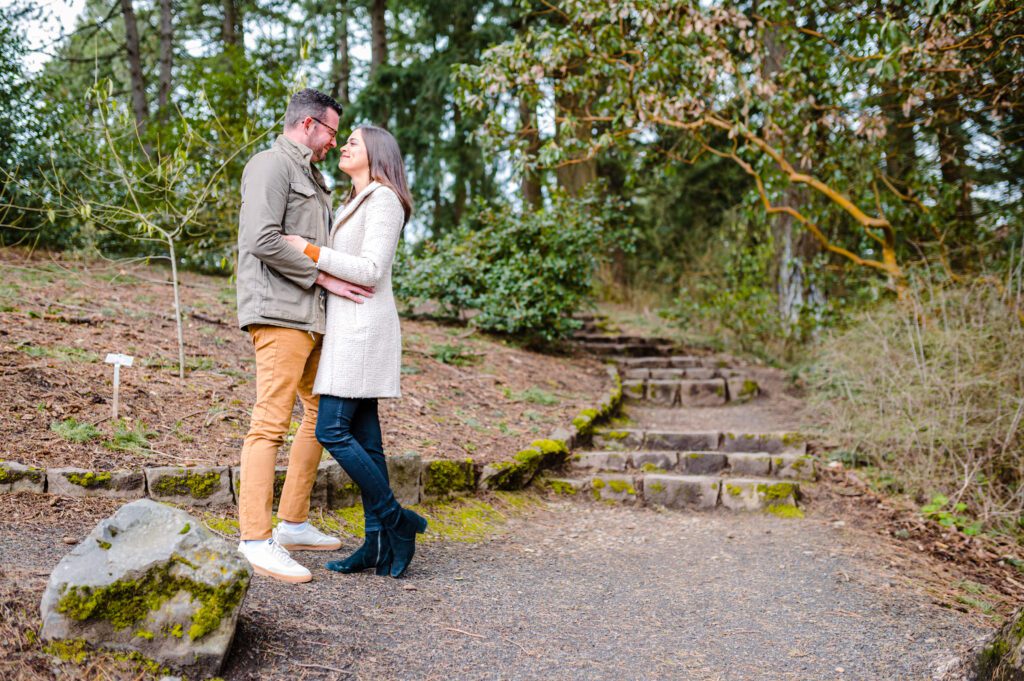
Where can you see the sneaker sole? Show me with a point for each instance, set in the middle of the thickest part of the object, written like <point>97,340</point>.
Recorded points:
<point>312,547</point>
<point>290,579</point>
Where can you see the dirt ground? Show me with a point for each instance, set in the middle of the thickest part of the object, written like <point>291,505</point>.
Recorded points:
<point>464,393</point>
<point>562,589</point>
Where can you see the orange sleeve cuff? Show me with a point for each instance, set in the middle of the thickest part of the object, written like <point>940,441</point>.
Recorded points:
<point>313,252</point>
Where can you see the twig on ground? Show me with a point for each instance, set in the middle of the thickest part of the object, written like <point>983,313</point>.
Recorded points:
<point>467,633</point>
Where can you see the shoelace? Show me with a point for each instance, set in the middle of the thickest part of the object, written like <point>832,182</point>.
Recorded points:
<point>281,552</point>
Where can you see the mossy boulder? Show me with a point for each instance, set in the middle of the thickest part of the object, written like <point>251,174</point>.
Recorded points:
<point>443,477</point>
<point>150,580</point>
<point>16,477</point>
<point>998,657</point>
<point>195,486</point>
<point>654,461</point>
<point>79,482</point>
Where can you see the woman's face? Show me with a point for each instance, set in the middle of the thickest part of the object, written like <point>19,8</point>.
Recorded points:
<point>353,155</point>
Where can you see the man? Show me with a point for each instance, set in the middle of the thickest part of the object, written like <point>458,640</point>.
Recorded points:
<point>281,303</point>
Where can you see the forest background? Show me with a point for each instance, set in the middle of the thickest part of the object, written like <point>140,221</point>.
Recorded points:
<point>830,186</point>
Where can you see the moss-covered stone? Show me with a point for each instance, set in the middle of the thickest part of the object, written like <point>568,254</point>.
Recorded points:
<point>189,484</point>
<point>785,511</point>
<point>444,477</point>
<point>554,453</point>
<point>11,473</point>
<point>128,602</point>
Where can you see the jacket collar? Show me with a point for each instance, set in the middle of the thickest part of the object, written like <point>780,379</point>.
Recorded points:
<point>301,154</point>
<point>354,203</point>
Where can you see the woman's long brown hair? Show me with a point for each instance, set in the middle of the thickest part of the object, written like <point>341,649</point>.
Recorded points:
<point>386,165</point>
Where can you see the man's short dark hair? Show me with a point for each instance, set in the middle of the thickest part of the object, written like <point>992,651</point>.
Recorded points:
<point>308,102</point>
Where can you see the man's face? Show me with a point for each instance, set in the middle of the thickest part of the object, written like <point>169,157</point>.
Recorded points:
<point>321,132</point>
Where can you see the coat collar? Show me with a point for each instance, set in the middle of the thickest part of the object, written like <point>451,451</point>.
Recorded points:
<point>354,203</point>
<point>301,154</point>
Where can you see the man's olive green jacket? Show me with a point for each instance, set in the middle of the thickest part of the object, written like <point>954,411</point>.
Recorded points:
<point>282,193</point>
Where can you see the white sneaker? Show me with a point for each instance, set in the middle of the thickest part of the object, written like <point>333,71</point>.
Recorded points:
<point>307,538</point>
<point>272,560</point>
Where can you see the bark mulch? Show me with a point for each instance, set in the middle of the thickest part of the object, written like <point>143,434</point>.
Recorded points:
<point>465,393</point>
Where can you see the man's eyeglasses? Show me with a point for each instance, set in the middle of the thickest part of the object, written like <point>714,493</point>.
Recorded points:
<point>334,132</point>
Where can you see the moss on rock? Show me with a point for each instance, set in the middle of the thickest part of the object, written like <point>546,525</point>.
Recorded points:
<point>10,476</point>
<point>89,480</point>
<point>444,477</point>
<point>127,602</point>
<point>189,484</point>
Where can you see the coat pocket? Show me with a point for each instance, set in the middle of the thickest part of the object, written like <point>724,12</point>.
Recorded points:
<point>305,214</point>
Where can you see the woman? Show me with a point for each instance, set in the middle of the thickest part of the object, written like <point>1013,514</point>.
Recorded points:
<point>362,351</point>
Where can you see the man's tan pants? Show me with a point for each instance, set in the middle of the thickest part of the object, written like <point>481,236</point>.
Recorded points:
<point>286,362</point>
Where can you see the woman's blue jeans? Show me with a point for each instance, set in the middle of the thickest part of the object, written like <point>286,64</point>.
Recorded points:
<point>349,429</point>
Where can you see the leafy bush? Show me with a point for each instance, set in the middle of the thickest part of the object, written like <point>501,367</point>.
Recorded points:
<point>931,390</point>
<point>524,273</point>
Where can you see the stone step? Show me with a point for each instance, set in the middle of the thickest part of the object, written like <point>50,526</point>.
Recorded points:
<point>691,492</point>
<point>697,387</point>
<point>742,464</point>
<point>614,339</point>
<point>667,362</point>
<point>627,349</point>
<point>621,439</point>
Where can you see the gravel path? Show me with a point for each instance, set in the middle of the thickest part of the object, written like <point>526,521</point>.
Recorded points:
<point>582,591</point>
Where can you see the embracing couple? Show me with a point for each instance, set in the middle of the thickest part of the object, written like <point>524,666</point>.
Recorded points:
<point>314,294</point>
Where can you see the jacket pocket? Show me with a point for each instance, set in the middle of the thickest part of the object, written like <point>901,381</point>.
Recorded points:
<point>284,300</point>
<point>304,214</point>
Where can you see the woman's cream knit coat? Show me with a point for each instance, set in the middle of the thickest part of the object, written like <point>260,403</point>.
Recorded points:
<point>362,351</point>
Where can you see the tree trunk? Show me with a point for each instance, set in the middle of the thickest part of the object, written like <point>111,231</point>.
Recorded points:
<point>378,36</point>
<point>231,28</point>
<point>953,165</point>
<point>166,57</point>
<point>530,184</point>
<point>138,79</point>
<point>378,54</point>
<point>577,175</point>
<point>794,247</point>
<point>342,69</point>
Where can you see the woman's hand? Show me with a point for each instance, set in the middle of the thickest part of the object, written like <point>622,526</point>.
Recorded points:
<point>296,242</point>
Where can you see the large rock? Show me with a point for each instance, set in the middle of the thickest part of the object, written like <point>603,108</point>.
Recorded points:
<point>626,438</point>
<point>195,486</point>
<point>614,487</point>
<point>997,657</point>
<point>153,580</point>
<point>443,477</point>
<point>16,477</point>
<point>79,482</point>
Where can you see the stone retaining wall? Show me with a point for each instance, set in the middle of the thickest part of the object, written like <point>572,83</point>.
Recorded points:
<point>412,478</point>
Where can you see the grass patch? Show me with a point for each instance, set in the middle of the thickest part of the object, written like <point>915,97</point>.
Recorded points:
<point>532,396</point>
<point>127,437</point>
<point>61,353</point>
<point>75,431</point>
<point>455,354</point>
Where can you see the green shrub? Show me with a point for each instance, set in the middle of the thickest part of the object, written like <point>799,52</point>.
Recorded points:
<point>525,273</point>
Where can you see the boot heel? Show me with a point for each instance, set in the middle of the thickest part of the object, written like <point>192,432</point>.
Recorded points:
<point>419,522</point>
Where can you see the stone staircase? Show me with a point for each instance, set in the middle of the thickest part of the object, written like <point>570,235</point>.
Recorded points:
<point>683,469</point>
<point>652,373</point>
